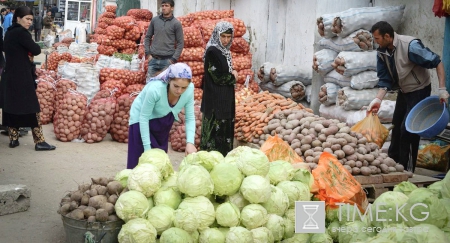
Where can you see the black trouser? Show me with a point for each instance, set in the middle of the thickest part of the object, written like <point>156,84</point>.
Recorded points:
<point>405,145</point>
<point>37,34</point>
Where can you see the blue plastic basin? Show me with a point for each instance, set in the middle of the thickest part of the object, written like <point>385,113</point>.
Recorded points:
<point>428,118</point>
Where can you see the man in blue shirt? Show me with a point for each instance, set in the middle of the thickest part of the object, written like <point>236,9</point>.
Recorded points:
<point>8,20</point>
<point>402,65</point>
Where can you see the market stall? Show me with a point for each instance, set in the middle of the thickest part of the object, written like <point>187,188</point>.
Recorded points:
<point>75,11</point>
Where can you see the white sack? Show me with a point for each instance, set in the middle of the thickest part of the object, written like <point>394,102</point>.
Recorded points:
<point>286,73</point>
<point>285,89</point>
<point>336,78</point>
<point>329,93</point>
<point>356,62</point>
<point>364,80</point>
<point>87,79</point>
<point>351,99</point>
<point>322,61</point>
<point>351,42</point>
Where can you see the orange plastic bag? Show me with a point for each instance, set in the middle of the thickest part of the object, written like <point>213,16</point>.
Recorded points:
<point>372,129</point>
<point>277,149</point>
<point>433,157</point>
<point>336,185</point>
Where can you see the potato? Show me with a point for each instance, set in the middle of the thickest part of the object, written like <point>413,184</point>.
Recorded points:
<point>392,169</point>
<point>309,159</point>
<point>73,205</point>
<point>374,169</point>
<point>64,209</point>
<point>348,150</point>
<point>369,157</point>
<point>376,163</point>
<point>316,143</point>
<point>65,200</point>
<point>356,171</point>
<point>93,192</point>
<point>352,157</point>
<point>344,129</point>
<point>84,199</point>
<point>399,168</point>
<point>389,162</point>
<point>102,190</point>
<point>335,147</point>
<point>103,181</point>
<point>328,150</point>
<point>358,164</point>
<point>366,171</point>
<point>91,219</point>
<point>109,207</point>
<point>308,152</point>
<point>84,187</point>
<point>318,149</point>
<point>76,196</point>
<point>326,145</point>
<point>373,146</point>
<point>340,154</point>
<point>348,168</point>
<point>89,211</point>
<point>113,217</point>
<point>97,201</point>
<point>101,215</point>
<point>351,163</point>
<point>361,150</point>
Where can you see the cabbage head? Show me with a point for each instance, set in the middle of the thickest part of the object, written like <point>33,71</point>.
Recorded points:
<point>278,202</point>
<point>211,235</point>
<point>422,201</point>
<point>186,219</point>
<point>298,238</point>
<point>295,190</point>
<point>436,188</point>
<point>131,205</point>
<point>158,158</point>
<point>275,224</point>
<point>445,189</point>
<point>253,216</point>
<point>262,235</point>
<point>289,228</point>
<point>171,181</point>
<point>203,208</point>
<point>145,178</point>
<point>256,189</point>
<point>161,217</point>
<point>217,155</point>
<point>122,177</point>
<point>405,187</point>
<point>385,205</point>
<point>249,160</point>
<point>239,235</point>
<point>425,233</point>
<point>304,176</point>
<point>228,215</point>
<point>224,231</point>
<point>167,196</point>
<point>290,214</point>
<point>227,179</point>
<point>333,230</point>
<point>332,213</point>
<point>151,204</point>
<point>194,180</point>
<point>238,200</point>
<point>203,158</point>
<point>280,170</point>
<point>175,235</point>
<point>446,203</point>
<point>356,232</point>
<point>321,238</point>
<point>137,231</point>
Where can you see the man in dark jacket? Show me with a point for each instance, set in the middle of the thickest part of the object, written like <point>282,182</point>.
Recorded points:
<point>37,24</point>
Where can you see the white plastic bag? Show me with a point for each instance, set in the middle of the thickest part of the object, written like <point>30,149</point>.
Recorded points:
<point>49,41</point>
<point>286,73</point>
<point>355,62</point>
<point>351,99</point>
<point>336,78</point>
<point>68,70</point>
<point>87,79</point>
<point>135,63</point>
<point>328,93</point>
<point>322,61</point>
<point>364,80</point>
<point>360,40</point>
<point>308,93</point>
<point>103,61</point>
<point>286,90</point>
<point>118,63</point>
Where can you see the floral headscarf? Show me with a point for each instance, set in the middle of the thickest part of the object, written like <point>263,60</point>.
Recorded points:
<point>177,70</point>
<point>220,28</point>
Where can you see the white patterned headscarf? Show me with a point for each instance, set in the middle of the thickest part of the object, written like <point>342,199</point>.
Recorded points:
<point>177,70</point>
<point>220,28</point>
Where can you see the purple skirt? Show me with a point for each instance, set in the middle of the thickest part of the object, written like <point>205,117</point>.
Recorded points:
<point>159,138</point>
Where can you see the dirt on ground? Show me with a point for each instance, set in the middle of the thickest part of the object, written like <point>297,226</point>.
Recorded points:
<point>50,175</point>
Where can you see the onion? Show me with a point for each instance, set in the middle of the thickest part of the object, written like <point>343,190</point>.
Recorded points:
<point>192,54</point>
<point>192,37</point>
<point>240,45</point>
<point>140,14</point>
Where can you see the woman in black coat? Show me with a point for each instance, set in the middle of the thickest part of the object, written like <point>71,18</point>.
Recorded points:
<point>18,88</point>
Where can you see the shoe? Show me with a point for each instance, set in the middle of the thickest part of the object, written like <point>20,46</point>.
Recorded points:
<point>14,143</point>
<point>44,146</point>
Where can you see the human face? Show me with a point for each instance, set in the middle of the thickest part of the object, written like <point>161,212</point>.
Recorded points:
<point>177,86</point>
<point>26,21</point>
<point>225,39</point>
<point>166,9</point>
<point>384,41</point>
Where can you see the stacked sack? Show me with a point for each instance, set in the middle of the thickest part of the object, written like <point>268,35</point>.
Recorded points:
<point>177,134</point>
<point>348,62</point>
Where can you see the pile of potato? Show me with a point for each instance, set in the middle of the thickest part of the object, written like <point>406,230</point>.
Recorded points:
<point>177,135</point>
<point>62,86</point>
<point>117,86</point>
<point>69,115</point>
<point>119,125</point>
<point>93,202</point>
<point>310,135</point>
<point>98,119</point>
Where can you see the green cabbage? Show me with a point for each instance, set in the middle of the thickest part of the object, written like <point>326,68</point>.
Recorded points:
<point>356,232</point>
<point>346,214</point>
<point>227,179</point>
<point>433,207</point>
<point>186,219</point>
<point>295,190</point>
<point>224,231</point>
<point>333,230</point>
<point>298,238</point>
<point>211,235</point>
<point>436,188</point>
<point>304,176</point>
<point>122,177</point>
<point>278,202</point>
<point>203,208</point>
<point>167,196</point>
<point>175,235</point>
<point>171,181</point>
<point>239,235</point>
<point>256,189</point>
<point>151,204</point>
<point>446,203</point>
<point>145,178</point>
<point>194,180</point>
<point>195,235</point>
<point>137,231</point>
<point>238,200</point>
<point>321,238</point>
<point>385,207</point>
<point>275,224</point>
<point>445,189</point>
<point>158,158</point>
<point>280,170</point>
<point>253,216</point>
<point>289,228</point>
<point>405,187</point>
<point>217,155</point>
<point>390,233</point>
<point>262,235</point>
<point>203,158</point>
<point>249,160</point>
<point>161,217</point>
<point>425,233</point>
<point>131,205</point>
<point>228,215</point>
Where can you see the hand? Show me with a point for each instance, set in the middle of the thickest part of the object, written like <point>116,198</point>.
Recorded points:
<point>190,148</point>
<point>374,106</point>
<point>443,95</point>
<point>235,73</point>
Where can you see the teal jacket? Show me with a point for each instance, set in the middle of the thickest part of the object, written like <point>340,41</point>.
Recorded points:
<point>152,102</point>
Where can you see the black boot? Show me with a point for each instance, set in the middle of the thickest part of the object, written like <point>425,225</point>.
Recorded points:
<point>13,143</point>
<point>44,146</point>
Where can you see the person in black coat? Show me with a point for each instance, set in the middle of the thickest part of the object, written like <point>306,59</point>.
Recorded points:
<point>18,88</point>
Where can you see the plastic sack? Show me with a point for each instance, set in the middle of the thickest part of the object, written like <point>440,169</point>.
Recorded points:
<point>360,40</point>
<point>351,99</point>
<point>336,78</point>
<point>372,129</point>
<point>328,93</point>
<point>276,148</point>
<point>294,90</point>
<point>364,80</point>
<point>322,61</point>
<point>350,63</point>
<point>433,157</point>
<point>336,185</point>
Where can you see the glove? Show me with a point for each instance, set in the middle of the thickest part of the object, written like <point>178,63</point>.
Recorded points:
<point>374,106</point>
<point>443,95</point>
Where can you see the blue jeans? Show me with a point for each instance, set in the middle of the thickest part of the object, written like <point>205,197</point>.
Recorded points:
<point>155,66</point>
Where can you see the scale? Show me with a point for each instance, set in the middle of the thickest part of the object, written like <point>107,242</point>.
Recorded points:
<point>445,135</point>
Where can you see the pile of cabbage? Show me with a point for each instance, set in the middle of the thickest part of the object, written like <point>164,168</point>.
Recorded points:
<point>238,198</point>
<point>406,214</point>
